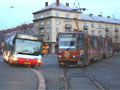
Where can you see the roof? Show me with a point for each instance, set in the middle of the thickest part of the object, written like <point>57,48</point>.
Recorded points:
<point>54,6</point>
<point>84,16</point>
<point>100,19</point>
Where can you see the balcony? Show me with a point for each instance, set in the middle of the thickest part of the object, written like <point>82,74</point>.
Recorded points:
<point>68,26</point>
<point>116,36</point>
<point>116,29</point>
<point>107,29</point>
<point>107,33</point>
<point>41,27</point>
<point>85,27</point>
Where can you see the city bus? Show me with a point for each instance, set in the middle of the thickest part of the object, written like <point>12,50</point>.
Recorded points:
<point>26,50</point>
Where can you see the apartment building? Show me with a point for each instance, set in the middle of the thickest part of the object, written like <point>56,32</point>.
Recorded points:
<point>57,17</point>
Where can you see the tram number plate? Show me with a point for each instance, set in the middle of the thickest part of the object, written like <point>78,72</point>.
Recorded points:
<point>26,62</point>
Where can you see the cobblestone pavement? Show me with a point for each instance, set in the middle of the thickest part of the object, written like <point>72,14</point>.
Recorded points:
<point>17,77</point>
<point>51,72</point>
<point>54,76</point>
<point>105,72</point>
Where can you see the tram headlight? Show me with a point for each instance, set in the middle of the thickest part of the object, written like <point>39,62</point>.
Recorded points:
<point>74,56</point>
<point>59,56</point>
<point>59,51</point>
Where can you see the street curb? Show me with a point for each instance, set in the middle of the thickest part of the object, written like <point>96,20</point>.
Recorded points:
<point>41,85</point>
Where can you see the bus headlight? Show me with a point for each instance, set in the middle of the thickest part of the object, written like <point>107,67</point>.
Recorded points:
<point>39,60</point>
<point>59,56</point>
<point>14,58</point>
<point>74,56</point>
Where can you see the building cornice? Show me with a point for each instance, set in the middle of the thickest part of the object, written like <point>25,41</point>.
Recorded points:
<point>50,17</point>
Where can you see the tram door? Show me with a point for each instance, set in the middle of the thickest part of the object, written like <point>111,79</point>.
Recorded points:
<point>86,47</point>
<point>86,60</point>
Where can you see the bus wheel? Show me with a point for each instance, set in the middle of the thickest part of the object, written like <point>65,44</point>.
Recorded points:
<point>86,62</point>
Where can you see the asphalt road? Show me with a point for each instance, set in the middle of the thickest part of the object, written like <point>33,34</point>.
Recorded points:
<point>1,59</point>
<point>106,72</point>
<point>17,77</point>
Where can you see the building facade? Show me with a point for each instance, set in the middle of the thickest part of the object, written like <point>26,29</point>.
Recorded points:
<point>57,17</point>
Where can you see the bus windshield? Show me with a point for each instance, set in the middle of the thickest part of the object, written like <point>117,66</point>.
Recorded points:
<point>67,41</point>
<point>27,47</point>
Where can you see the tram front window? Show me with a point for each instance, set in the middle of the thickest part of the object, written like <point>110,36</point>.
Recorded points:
<point>67,41</point>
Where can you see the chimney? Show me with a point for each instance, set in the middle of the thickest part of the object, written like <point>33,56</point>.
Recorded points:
<point>108,16</point>
<point>46,4</point>
<point>67,4</point>
<point>57,3</point>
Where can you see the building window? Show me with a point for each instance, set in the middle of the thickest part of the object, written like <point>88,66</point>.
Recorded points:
<point>85,24</point>
<point>67,15</point>
<point>57,29</point>
<point>57,22</point>
<point>92,31</point>
<point>57,14</point>
<point>48,14</point>
<point>68,30</point>
<point>48,30</point>
<point>111,33</point>
<point>36,24</point>
<point>77,16</point>
<point>99,32</point>
<point>111,27</point>
<point>48,22</point>
<point>42,23</point>
<point>99,26</point>
<point>48,37</point>
<point>93,25</point>
<point>36,17</point>
<point>41,30</point>
<point>42,16</point>
<point>67,22</point>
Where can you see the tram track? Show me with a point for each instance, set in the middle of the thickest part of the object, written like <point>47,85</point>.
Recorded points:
<point>84,74</point>
<point>96,83</point>
<point>57,78</point>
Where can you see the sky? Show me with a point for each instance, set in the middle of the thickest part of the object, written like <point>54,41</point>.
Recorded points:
<point>23,9</point>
